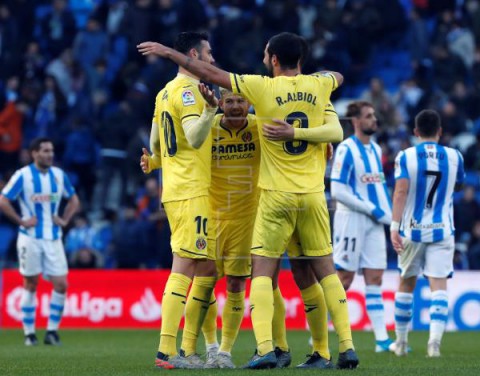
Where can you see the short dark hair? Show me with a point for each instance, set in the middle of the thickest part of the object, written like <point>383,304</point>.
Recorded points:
<point>189,39</point>
<point>289,48</point>
<point>428,123</point>
<point>37,143</point>
<point>354,109</point>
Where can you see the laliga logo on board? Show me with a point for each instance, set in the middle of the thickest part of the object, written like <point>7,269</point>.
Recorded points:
<point>13,304</point>
<point>82,305</point>
<point>147,309</point>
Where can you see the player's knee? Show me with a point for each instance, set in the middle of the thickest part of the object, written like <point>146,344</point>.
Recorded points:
<point>30,285</point>
<point>235,284</point>
<point>346,279</point>
<point>60,287</point>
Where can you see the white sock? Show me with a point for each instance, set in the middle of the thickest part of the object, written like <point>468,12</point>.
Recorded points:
<point>28,306</point>
<point>212,346</point>
<point>438,315</point>
<point>376,311</point>
<point>403,314</point>
<point>56,310</point>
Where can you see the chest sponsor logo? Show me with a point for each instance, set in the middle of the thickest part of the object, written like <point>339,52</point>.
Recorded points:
<point>372,178</point>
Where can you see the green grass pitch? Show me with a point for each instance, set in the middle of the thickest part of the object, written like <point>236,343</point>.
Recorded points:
<point>131,352</point>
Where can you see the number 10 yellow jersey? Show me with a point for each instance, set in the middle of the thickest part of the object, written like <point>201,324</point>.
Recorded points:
<point>185,170</point>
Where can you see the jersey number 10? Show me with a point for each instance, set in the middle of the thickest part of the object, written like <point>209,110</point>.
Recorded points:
<point>169,134</point>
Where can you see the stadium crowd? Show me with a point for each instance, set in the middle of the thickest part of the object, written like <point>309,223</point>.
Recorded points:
<point>70,71</point>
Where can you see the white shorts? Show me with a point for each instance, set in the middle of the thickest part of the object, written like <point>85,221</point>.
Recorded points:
<point>436,259</point>
<point>358,242</point>
<point>37,256</point>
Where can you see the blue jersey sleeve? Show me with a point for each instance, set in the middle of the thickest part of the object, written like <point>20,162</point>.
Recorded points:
<point>460,171</point>
<point>401,171</point>
<point>14,186</point>
<point>342,165</point>
<point>68,190</point>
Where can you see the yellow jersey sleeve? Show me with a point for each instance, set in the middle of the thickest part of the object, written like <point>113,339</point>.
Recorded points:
<point>250,86</point>
<point>329,75</point>
<point>188,102</point>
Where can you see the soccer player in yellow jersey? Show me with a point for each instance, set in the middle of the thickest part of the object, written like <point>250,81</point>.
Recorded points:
<point>182,122</point>
<point>233,205</point>
<point>292,197</point>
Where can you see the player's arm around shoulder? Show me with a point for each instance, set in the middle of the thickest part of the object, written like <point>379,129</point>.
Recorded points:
<point>197,130</point>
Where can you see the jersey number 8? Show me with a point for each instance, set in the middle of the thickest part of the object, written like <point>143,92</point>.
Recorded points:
<point>296,147</point>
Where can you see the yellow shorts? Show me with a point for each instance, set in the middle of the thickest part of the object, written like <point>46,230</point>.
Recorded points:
<point>188,220</point>
<point>280,215</point>
<point>232,243</point>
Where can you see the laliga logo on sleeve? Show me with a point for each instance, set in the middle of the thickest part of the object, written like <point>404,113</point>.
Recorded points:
<point>188,98</point>
<point>147,309</point>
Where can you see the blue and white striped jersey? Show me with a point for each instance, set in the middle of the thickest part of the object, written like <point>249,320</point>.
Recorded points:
<point>432,171</point>
<point>359,167</point>
<point>39,194</point>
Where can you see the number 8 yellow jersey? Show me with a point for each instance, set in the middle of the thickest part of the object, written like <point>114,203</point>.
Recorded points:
<point>185,170</point>
<point>294,166</point>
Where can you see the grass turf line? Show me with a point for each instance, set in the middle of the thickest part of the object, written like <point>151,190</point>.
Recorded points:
<point>132,352</point>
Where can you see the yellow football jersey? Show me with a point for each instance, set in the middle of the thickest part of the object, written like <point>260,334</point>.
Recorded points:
<point>235,167</point>
<point>293,166</point>
<point>185,170</point>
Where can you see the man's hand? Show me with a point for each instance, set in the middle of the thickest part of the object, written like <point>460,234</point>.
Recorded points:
<point>329,152</point>
<point>30,222</point>
<point>396,242</point>
<point>153,48</point>
<point>59,221</point>
<point>144,161</point>
<point>282,131</point>
<point>208,95</point>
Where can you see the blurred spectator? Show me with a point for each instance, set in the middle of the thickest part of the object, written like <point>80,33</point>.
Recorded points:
<point>11,135</point>
<point>419,39</point>
<point>51,110</point>
<point>461,42</point>
<point>466,211</point>
<point>91,44</point>
<point>447,68</point>
<point>114,134</point>
<point>9,31</point>
<point>85,258</point>
<point>381,101</point>
<point>473,18</point>
<point>81,235</point>
<point>58,28</point>
<point>129,243</point>
<point>80,158</point>
<point>474,248</point>
<point>472,156</point>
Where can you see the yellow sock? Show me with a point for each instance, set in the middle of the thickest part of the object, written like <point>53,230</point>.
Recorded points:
<point>173,305</point>
<point>336,299</point>
<point>317,317</point>
<point>279,330</point>
<point>209,327</point>
<point>197,306</point>
<point>261,306</point>
<point>231,319</point>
